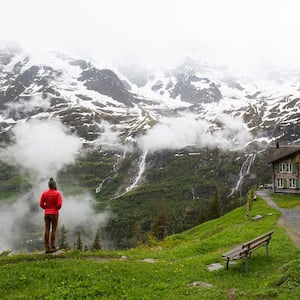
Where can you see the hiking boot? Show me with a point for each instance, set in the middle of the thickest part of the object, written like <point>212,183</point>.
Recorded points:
<point>54,249</point>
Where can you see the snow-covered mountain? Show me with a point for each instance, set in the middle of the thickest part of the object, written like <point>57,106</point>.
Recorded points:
<point>94,101</point>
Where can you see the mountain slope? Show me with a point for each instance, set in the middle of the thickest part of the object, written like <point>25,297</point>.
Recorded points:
<point>176,268</point>
<point>164,144</point>
<point>59,85</point>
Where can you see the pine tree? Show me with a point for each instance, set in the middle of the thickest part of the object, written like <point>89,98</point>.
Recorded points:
<point>137,232</point>
<point>63,242</point>
<point>78,244</point>
<point>216,210</point>
<point>97,242</point>
<point>159,226</point>
<point>202,217</point>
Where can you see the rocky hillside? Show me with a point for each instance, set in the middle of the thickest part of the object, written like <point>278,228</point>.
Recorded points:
<point>84,96</point>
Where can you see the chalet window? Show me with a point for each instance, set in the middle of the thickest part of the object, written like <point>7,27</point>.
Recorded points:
<point>280,182</point>
<point>292,183</point>
<point>286,168</point>
<point>282,168</point>
<point>289,168</point>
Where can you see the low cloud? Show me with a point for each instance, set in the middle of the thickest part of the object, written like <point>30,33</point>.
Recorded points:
<point>110,136</point>
<point>28,106</point>
<point>188,130</point>
<point>78,215</point>
<point>12,219</point>
<point>245,41</point>
<point>43,148</point>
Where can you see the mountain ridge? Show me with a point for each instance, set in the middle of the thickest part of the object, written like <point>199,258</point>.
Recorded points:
<point>103,95</point>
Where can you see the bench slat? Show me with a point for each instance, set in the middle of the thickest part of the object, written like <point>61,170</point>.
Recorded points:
<point>232,252</point>
<point>266,235</point>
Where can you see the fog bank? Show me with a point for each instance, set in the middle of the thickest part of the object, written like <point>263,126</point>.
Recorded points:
<point>41,149</point>
<point>188,130</point>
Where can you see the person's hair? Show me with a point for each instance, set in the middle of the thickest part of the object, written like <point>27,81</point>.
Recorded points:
<point>52,184</point>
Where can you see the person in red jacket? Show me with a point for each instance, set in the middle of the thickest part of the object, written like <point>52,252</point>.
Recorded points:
<point>51,202</point>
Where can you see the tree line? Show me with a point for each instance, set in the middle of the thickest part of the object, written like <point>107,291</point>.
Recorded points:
<point>64,242</point>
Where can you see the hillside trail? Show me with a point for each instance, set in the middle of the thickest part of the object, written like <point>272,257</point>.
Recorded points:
<point>290,218</point>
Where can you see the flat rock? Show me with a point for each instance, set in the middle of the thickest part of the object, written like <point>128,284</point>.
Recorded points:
<point>149,260</point>
<point>200,283</point>
<point>214,267</point>
<point>257,217</point>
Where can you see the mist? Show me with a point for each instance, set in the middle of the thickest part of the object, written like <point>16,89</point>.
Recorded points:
<point>243,34</point>
<point>189,130</point>
<point>40,150</point>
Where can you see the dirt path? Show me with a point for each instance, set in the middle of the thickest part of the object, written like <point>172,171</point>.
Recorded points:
<point>290,218</point>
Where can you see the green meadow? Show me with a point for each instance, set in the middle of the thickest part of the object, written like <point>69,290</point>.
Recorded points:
<point>165,270</point>
<point>286,201</point>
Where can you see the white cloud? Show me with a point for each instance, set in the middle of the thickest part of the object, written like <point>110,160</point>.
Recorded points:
<point>187,130</point>
<point>237,32</point>
<point>27,106</point>
<point>109,137</point>
<point>42,147</point>
<point>78,215</point>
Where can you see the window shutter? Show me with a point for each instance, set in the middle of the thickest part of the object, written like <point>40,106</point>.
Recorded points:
<point>284,183</point>
<point>297,183</point>
<point>294,168</point>
<point>277,167</point>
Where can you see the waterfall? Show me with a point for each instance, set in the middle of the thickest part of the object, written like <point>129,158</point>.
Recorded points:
<point>193,194</point>
<point>244,171</point>
<point>115,170</point>
<point>99,187</point>
<point>142,164</point>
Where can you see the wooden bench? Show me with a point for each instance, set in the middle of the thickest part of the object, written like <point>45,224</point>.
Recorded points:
<point>245,250</point>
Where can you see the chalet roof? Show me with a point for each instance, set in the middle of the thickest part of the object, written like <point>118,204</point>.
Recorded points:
<point>278,152</point>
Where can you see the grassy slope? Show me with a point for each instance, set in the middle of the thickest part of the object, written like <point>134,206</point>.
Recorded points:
<point>286,201</point>
<point>179,260</point>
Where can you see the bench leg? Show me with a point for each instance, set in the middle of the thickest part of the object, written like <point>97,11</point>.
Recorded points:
<point>227,263</point>
<point>246,263</point>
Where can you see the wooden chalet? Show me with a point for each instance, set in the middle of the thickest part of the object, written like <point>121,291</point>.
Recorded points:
<point>285,160</point>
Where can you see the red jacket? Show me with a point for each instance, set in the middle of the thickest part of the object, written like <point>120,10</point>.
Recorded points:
<point>51,202</point>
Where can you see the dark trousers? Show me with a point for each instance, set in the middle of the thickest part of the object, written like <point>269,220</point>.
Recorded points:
<point>51,222</point>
